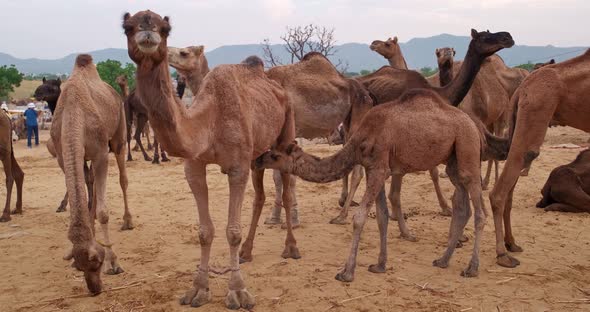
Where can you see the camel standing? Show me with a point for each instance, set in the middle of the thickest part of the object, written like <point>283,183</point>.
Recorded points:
<point>89,120</point>
<point>191,63</point>
<point>557,92</point>
<point>122,82</point>
<point>384,145</point>
<point>12,170</point>
<point>236,116</point>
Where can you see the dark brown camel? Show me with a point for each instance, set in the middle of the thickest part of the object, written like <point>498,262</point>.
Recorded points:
<point>49,92</point>
<point>568,186</point>
<point>11,168</point>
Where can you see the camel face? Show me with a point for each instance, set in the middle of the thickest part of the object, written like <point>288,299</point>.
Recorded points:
<point>387,48</point>
<point>445,55</point>
<point>279,160</point>
<point>48,91</point>
<point>121,80</point>
<point>487,43</point>
<point>146,34</point>
<point>187,59</point>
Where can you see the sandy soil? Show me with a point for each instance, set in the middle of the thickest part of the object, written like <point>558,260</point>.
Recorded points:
<point>161,254</point>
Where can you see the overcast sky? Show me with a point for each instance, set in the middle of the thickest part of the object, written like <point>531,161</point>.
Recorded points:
<point>53,28</point>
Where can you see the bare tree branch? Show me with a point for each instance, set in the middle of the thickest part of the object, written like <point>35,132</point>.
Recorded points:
<point>269,57</point>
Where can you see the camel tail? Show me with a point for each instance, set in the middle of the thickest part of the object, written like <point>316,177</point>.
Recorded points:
<point>495,147</point>
<point>514,104</point>
<point>73,165</point>
<point>331,168</point>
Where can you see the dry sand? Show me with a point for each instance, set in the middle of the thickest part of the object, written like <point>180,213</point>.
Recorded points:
<point>161,254</point>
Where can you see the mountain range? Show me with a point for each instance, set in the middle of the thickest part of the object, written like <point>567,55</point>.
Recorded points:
<point>418,52</point>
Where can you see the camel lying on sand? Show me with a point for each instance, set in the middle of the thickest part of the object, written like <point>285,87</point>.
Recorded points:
<point>568,186</point>
<point>557,92</point>
<point>88,122</point>
<point>237,115</point>
<point>12,170</point>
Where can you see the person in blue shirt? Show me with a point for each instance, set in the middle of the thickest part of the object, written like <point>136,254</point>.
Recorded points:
<point>32,126</point>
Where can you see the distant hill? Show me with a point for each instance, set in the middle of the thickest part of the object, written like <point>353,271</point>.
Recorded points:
<point>419,52</point>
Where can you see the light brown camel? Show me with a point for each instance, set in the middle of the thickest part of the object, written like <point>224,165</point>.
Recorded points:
<point>388,84</point>
<point>122,81</point>
<point>391,51</point>
<point>487,100</point>
<point>559,92</point>
<point>191,63</point>
<point>384,145</point>
<point>88,121</point>
<point>12,170</point>
<point>322,99</point>
<point>236,116</point>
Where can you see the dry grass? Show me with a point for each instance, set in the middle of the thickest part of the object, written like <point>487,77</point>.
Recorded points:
<point>26,89</point>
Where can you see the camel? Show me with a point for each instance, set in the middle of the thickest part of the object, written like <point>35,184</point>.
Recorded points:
<point>568,187</point>
<point>122,81</point>
<point>49,92</point>
<point>237,115</point>
<point>487,100</point>
<point>391,51</point>
<point>541,65</point>
<point>12,170</point>
<point>89,120</point>
<point>384,145</point>
<point>190,63</point>
<point>557,92</point>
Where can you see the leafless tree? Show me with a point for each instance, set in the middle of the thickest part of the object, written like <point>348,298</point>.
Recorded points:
<point>301,40</point>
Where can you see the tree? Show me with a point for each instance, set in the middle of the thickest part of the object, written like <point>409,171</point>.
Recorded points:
<point>10,77</point>
<point>300,40</point>
<point>365,72</point>
<point>528,66</point>
<point>428,71</point>
<point>109,70</point>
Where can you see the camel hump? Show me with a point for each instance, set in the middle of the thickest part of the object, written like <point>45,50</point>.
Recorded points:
<point>83,60</point>
<point>312,55</point>
<point>253,61</point>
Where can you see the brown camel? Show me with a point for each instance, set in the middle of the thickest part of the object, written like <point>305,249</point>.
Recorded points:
<point>384,145</point>
<point>236,116</point>
<point>541,65</point>
<point>123,85</point>
<point>191,63</point>
<point>559,92</point>
<point>487,100</point>
<point>568,186</point>
<point>49,92</point>
<point>88,121</point>
<point>322,99</point>
<point>12,170</point>
<point>391,51</point>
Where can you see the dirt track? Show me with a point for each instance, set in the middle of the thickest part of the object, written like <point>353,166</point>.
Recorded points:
<point>160,255</point>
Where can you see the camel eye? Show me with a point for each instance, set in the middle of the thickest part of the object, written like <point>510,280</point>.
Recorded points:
<point>183,54</point>
<point>275,157</point>
<point>387,44</point>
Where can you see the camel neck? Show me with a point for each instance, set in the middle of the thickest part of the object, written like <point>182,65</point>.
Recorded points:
<point>398,61</point>
<point>179,133</point>
<point>323,170</point>
<point>124,90</point>
<point>445,73</point>
<point>194,79</point>
<point>457,89</point>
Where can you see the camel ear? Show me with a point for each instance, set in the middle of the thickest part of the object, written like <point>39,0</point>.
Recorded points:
<point>474,34</point>
<point>59,81</point>
<point>291,148</point>
<point>44,80</point>
<point>198,49</point>
<point>165,29</point>
<point>552,61</point>
<point>454,52</point>
<point>395,39</point>
<point>126,16</point>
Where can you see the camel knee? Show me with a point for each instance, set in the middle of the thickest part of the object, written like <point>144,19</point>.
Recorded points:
<point>102,216</point>
<point>358,221</point>
<point>206,235</point>
<point>234,234</point>
<point>529,157</point>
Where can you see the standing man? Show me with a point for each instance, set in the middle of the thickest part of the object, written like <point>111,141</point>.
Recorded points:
<point>32,126</point>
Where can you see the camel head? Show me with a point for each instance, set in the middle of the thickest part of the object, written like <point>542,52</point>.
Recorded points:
<point>49,90</point>
<point>280,160</point>
<point>147,34</point>
<point>121,80</point>
<point>486,43</point>
<point>388,48</point>
<point>89,260</point>
<point>445,56</point>
<point>186,60</point>
<point>541,65</point>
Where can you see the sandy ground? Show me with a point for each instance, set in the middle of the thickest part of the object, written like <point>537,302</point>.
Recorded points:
<point>161,254</point>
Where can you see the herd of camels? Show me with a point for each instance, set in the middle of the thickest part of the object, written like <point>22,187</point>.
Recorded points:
<point>396,122</point>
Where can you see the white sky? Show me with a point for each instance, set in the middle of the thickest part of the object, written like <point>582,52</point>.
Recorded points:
<point>53,28</point>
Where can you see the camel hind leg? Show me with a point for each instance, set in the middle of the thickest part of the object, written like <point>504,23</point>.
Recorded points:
<point>395,199</point>
<point>257,205</point>
<point>19,177</point>
<point>442,202</point>
<point>7,163</point>
<point>356,177</point>
<point>138,130</point>
<point>382,223</point>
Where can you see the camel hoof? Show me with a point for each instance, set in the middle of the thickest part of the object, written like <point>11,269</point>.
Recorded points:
<point>507,261</point>
<point>463,238</point>
<point>393,217</point>
<point>292,252</point>
<point>512,247</point>
<point>443,175</point>
<point>5,218</point>
<point>127,225</point>
<point>409,237</point>
<point>114,270</point>
<point>446,212</point>
<point>17,211</point>
<point>377,268</point>
<point>294,224</point>
<point>341,203</point>
<point>354,204</point>
<point>165,159</point>
<point>471,271</point>
<point>524,173</point>
<point>61,209</point>
<point>245,256</point>
<point>273,220</point>
<point>345,276</point>
<point>485,186</point>
<point>443,264</point>
<point>339,220</point>
<point>196,298</point>
<point>239,299</point>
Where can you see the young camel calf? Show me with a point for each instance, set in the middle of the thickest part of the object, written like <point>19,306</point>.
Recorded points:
<point>385,144</point>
